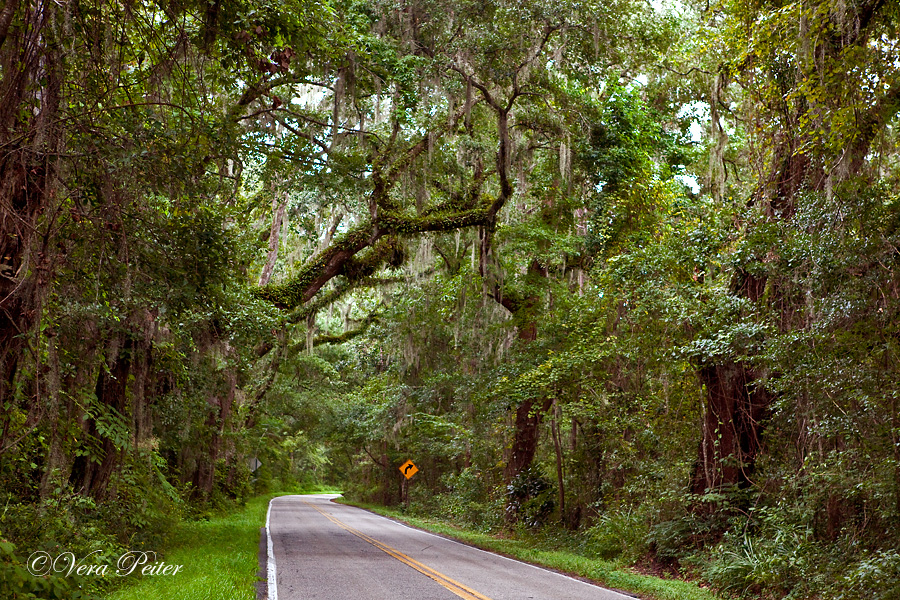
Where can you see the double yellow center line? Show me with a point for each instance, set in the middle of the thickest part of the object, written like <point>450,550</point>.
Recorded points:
<point>454,586</point>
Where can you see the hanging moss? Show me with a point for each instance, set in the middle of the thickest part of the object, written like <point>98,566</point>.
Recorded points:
<point>347,335</point>
<point>321,302</point>
<point>397,256</point>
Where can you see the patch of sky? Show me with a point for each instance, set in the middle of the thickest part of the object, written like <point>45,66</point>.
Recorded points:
<point>698,114</point>
<point>689,181</point>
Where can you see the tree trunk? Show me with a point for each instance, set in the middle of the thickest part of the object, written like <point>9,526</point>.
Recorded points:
<point>91,473</point>
<point>525,439</point>
<point>736,405</point>
<point>27,173</point>
<point>278,209</point>
<point>895,439</point>
<point>557,447</point>
<point>55,458</point>
<point>217,422</point>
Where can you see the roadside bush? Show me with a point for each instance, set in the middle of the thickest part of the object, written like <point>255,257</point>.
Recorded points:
<point>65,522</point>
<point>775,553</point>
<point>469,501</point>
<point>619,534</point>
<point>759,567</point>
<point>17,583</point>
<point>676,538</point>
<point>876,577</point>
<point>146,509</point>
<point>530,498</point>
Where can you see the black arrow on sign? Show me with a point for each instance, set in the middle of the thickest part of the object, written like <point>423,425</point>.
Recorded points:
<point>408,467</point>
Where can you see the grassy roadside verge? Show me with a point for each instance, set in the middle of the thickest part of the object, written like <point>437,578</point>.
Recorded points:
<point>220,558</point>
<point>606,573</point>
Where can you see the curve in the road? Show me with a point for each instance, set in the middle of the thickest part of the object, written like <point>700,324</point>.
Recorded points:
<point>352,554</point>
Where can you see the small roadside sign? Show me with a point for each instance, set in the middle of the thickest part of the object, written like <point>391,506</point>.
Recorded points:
<point>409,469</point>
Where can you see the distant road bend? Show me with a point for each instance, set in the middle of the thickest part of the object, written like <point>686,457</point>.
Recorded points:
<point>319,550</point>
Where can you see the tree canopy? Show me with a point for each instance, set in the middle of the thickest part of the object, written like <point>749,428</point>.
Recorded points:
<point>621,269</point>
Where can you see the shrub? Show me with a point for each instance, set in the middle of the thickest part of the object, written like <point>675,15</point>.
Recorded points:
<point>469,501</point>
<point>530,498</point>
<point>619,534</point>
<point>17,583</point>
<point>876,577</point>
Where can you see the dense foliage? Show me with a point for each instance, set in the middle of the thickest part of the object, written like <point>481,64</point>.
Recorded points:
<point>603,270</point>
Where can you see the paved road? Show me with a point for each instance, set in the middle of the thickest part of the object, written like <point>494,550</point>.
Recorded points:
<point>328,551</point>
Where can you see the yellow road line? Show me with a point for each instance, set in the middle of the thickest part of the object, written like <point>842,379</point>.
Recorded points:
<point>454,586</point>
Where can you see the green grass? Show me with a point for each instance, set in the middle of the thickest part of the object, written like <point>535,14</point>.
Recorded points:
<point>606,573</point>
<point>220,558</point>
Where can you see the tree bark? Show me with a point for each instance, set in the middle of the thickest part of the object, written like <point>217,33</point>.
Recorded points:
<point>278,209</point>
<point>27,173</point>
<point>55,458</point>
<point>217,422</point>
<point>736,405</point>
<point>91,473</point>
<point>525,439</point>
<point>557,447</point>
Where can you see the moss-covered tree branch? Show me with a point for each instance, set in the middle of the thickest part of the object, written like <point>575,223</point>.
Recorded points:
<point>320,269</point>
<point>346,255</point>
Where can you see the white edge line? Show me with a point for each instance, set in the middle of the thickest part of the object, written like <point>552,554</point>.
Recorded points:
<point>272,585</point>
<point>494,554</point>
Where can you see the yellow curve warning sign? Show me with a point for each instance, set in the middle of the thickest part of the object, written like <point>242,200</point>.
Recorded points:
<point>408,469</point>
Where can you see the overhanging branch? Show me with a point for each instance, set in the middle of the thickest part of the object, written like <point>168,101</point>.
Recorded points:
<point>341,257</point>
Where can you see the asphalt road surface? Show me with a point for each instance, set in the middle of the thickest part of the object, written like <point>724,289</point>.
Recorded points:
<point>328,551</point>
